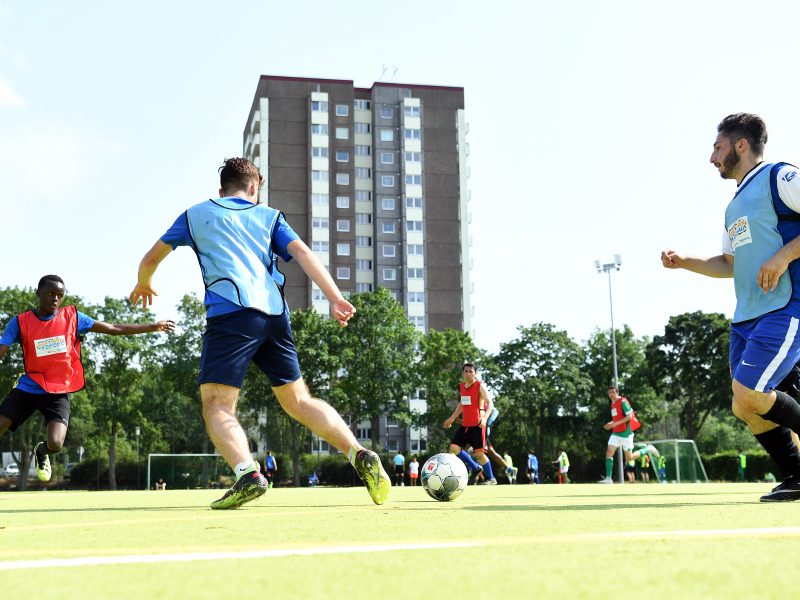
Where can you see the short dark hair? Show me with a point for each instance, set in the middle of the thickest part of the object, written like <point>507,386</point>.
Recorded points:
<point>53,278</point>
<point>613,387</point>
<point>237,173</point>
<point>748,126</point>
<point>469,364</point>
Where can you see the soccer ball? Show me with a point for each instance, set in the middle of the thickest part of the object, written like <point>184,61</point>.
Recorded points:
<point>444,477</point>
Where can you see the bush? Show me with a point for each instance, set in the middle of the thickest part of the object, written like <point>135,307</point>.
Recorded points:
<point>93,474</point>
<point>723,466</point>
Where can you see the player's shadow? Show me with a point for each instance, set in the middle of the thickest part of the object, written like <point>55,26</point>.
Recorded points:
<point>590,507</point>
<point>93,509</point>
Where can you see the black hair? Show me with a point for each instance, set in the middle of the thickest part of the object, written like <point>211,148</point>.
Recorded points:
<point>745,126</point>
<point>53,278</point>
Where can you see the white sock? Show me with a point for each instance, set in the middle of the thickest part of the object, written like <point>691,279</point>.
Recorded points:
<point>245,467</point>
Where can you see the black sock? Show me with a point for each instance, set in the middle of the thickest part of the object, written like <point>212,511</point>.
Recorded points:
<point>785,411</point>
<point>780,446</point>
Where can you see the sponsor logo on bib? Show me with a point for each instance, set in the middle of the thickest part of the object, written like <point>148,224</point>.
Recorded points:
<point>466,400</point>
<point>52,345</point>
<point>739,233</point>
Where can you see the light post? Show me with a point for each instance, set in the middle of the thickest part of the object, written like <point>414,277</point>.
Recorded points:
<point>138,431</point>
<point>607,268</point>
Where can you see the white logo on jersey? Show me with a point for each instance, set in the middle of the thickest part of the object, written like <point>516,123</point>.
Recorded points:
<point>466,400</point>
<point>48,346</point>
<point>739,233</point>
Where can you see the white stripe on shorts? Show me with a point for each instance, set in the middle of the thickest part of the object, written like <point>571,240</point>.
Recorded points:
<point>780,357</point>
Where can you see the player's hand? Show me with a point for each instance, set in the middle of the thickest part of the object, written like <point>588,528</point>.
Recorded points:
<point>770,272</point>
<point>165,325</point>
<point>482,424</point>
<point>144,293</point>
<point>671,259</point>
<point>342,311</point>
<point>448,423</point>
<point>609,425</point>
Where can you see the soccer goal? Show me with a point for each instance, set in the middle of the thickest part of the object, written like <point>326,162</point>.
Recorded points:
<point>188,471</point>
<point>683,461</point>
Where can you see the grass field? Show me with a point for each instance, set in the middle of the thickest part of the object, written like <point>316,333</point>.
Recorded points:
<point>573,541</point>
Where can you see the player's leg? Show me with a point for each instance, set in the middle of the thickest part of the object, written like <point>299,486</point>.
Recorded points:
<point>55,408</point>
<point>611,449</point>
<point>458,447</point>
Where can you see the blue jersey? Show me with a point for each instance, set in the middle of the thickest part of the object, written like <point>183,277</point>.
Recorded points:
<point>11,336</point>
<point>533,462</point>
<point>280,236</point>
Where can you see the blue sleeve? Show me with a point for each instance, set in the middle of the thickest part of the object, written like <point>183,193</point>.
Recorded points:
<point>282,236</point>
<point>85,322</point>
<point>178,234</point>
<point>11,334</point>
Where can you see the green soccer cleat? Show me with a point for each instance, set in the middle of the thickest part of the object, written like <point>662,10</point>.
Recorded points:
<point>370,470</point>
<point>248,487</point>
<point>43,469</point>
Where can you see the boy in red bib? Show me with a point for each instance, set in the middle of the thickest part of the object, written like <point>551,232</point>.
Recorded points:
<point>51,349</point>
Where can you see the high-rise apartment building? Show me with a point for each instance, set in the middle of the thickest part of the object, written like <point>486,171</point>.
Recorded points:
<point>375,181</point>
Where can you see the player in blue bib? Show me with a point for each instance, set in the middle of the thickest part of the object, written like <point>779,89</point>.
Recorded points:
<point>761,245</point>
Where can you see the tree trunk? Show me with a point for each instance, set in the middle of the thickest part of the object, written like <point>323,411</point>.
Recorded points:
<point>112,458</point>
<point>294,447</point>
<point>374,427</point>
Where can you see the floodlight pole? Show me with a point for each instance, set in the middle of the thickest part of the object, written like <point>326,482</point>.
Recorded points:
<point>138,466</point>
<point>607,268</point>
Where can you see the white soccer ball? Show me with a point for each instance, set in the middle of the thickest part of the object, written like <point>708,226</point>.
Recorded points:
<point>444,477</point>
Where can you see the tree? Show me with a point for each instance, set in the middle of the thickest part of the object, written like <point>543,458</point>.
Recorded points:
<point>689,367</point>
<point>379,354</point>
<point>442,356</point>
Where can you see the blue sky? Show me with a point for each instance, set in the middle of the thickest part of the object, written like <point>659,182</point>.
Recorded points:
<point>590,131</point>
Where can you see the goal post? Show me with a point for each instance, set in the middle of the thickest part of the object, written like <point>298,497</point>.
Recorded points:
<point>188,471</point>
<point>683,461</point>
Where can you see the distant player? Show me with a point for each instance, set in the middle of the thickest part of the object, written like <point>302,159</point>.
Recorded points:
<point>622,425</point>
<point>562,463</point>
<point>399,468</point>
<point>51,350</point>
<point>474,406</point>
<point>238,241</point>
<point>490,451</point>
<point>532,469</point>
<point>413,471</point>
<point>270,468</point>
<point>761,245</point>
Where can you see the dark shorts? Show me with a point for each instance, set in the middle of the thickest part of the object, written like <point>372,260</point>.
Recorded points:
<point>469,436</point>
<point>399,469</point>
<point>18,406</point>
<point>234,340</point>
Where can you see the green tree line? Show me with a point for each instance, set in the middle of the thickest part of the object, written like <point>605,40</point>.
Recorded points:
<point>550,389</point>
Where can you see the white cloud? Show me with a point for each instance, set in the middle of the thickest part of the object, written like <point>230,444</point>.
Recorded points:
<point>9,98</point>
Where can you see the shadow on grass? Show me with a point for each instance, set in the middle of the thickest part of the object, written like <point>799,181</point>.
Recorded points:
<point>590,507</point>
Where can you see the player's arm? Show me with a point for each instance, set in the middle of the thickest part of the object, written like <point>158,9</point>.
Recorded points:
<point>132,328</point>
<point>3,351</point>
<point>147,267</point>
<point>719,266</point>
<point>487,402</point>
<point>341,309</point>
<point>448,422</point>
<point>788,184</point>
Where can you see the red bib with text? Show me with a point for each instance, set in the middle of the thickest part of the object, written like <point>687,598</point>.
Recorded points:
<point>52,350</point>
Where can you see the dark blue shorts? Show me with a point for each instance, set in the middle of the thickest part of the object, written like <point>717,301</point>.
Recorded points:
<point>233,340</point>
<point>764,350</point>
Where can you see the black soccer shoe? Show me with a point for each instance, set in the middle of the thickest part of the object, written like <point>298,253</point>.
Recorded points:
<point>787,491</point>
<point>248,487</point>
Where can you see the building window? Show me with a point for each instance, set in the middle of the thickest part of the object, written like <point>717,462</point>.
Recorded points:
<point>387,134</point>
<point>414,249</point>
<point>361,104</point>
<point>387,203</point>
<point>387,158</point>
<point>363,264</point>
<point>319,129</point>
<point>413,202</point>
<point>363,287</point>
<point>317,295</point>
<point>415,273</point>
<point>364,433</point>
<point>412,111</point>
<point>388,227</point>
<point>342,179</point>
<point>363,218</point>
<point>343,272</point>
<point>363,241</point>
<point>342,156</point>
<point>343,249</point>
<point>418,322</point>
<point>389,251</point>
<point>389,274</point>
<point>342,225</point>
<point>342,110</point>
<point>413,134</point>
<point>387,180</point>
<point>413,157</point>
<point>319,175</point>
<point>363,173</point>
<point>320,246</point>
<point>319,152</point>
<point>363,196</point>
<point>319,223</point>
<point>319,199</point>
<point>386,112</point>
<point>361,128</point>
<point>342,133</point>
<point>362,150</point>
<point>342,201</point>
<point>413,225</point>
<point>416,297</point>
<point>319,106</point>
<point>413,179</point>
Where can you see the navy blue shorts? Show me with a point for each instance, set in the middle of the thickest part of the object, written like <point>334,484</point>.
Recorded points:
<point>764,350</point>
<point>233,340</point>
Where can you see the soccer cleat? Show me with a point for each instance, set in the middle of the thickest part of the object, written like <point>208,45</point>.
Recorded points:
<point>491,481</point>
<point>606,480</point>
<point>369,468</point>
<point>43,469</point>
<point>653,450</point>
<point>509,471</point>
<point>248,487</point>
<point>473,477</point>
<point>787,491</point>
